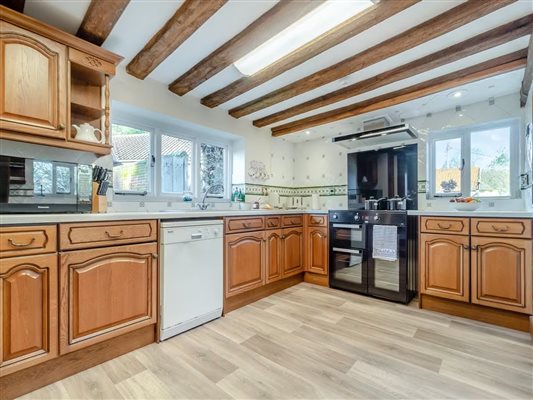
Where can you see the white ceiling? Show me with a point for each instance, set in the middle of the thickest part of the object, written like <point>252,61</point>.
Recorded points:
<point>143,18</point>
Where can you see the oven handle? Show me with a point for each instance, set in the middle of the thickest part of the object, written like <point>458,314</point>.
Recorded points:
<point>349,226</point>
<point>339,250</point>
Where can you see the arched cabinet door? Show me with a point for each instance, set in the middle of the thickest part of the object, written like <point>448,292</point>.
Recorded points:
<point>293,251</point>
<point>502,273</point>
<point>245,262</point>
<point>445,266</point>
<point>274,258</point>
<point>105,293</point>
<point>28,303</point>
<point>33,82</point>
<point>317,250</point>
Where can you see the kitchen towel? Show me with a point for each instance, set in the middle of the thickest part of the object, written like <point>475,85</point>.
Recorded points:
<point>385,242</point>
<point>315,202</point>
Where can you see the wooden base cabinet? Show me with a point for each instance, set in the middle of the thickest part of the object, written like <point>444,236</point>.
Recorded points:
<point>502,273</point>
<point>244,262</point>
<point>28,303</point>
<point>293,251</point>
<point>445,266</point>
<point>106,292</point>
<point>317,250</point>
<point>274,255</point>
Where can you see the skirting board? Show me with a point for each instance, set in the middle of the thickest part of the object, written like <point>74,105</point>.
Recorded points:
<point>317,279</point>
<point>507,319</point>
<point>240,300</point>
<point>33,378</point>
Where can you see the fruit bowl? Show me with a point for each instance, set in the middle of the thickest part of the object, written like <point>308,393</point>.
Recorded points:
<point>466,206</point>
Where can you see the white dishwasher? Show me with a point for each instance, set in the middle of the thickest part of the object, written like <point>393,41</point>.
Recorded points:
<point>191,274</point>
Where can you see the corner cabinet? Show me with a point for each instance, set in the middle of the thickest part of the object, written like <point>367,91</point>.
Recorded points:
<point>49,81</point>
<point>28,303</point>
<point>501,273</point>
<point>106,292</point>
<point>445,266</point>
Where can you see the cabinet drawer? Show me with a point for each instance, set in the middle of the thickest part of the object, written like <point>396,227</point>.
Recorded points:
<point>520,228</point>
<point>273,222</point>
<point>244,224</point>
<point>26,240</point>
<point>78,236</point>
<point>292,220</point>
<point>317,220</point>
<point>457,226</point>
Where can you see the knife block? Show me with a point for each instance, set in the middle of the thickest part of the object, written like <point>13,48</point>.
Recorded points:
<point>98,203</point>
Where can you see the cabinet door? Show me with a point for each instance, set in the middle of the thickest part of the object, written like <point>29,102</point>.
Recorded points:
<point>244,262</point>
<point>317,250</point>
<point>274,258</point>
<point>33,81</point>
<point>292,251</point>
<point>501,273</point>
<point>445,266</point>
<point>28,303</point>
<point>106,292</point>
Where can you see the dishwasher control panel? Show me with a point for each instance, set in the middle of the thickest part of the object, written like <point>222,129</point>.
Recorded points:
<point>180,234</point>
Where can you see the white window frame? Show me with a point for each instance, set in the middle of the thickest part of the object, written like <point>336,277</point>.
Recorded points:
<point>155,182</point>
<point>463,133</point>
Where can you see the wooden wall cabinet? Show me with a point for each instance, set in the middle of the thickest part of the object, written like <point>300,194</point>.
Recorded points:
<point>49,81</point>
<point>28,304</point>
<point>445,266</point>
<point>502,273</point>
<point>105,293</point>
<point>244,262</point>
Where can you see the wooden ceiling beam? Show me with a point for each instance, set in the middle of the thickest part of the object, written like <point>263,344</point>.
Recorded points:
<point>99,20</point>
<point>496,66</point>
<point>495,37</point>
<point>528,74</point>
<point>353,26</point>
<point>188,18</point>
<point>279,17</point>
<point>439,25</point>
<point>16,5</point>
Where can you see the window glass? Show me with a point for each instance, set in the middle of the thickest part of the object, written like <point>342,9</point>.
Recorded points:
<point>212,169</point>
<point>490,162</point>
<point>131,159</point>
<point>43,177</point>
<point>448,160</point>
<point>176,164</point>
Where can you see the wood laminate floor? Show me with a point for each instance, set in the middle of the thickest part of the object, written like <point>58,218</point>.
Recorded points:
<point>310,342</point>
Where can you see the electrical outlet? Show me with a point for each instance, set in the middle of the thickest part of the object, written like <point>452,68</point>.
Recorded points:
<point>491,204</point>
<point>169,204</point>
<point>428,204</point>
<point>141,204</point>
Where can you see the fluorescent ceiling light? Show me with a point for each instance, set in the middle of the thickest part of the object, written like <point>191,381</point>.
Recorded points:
<point>307,28</point>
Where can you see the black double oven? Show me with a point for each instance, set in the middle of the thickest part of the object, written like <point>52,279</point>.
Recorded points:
<point>352,264</point>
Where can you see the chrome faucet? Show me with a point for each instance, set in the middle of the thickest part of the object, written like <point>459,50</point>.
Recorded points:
<point>203,206</point>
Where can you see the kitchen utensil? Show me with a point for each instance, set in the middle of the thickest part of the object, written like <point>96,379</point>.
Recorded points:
<point>102,188</point>
<point>396,203</point>
<point>86,132</point>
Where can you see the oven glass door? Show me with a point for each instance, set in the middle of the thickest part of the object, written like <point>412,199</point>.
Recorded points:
<point>348,236</point>
<point>348,269</point>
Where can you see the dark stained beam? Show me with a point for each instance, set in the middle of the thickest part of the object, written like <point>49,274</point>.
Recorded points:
<point>99,20</point>
<point>496,66</point>
<point>190,16</point>
<point>279,17</point>
<point>441,24</point>
<point>353,26</point>
<point>528,74</point>
<point>16,5</point>
<point>495,37</point>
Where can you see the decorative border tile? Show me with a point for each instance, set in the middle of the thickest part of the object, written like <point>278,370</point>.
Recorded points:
<point>254,189</point>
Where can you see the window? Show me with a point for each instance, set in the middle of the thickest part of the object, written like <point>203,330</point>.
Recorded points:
<point>475,161</point>
<point>163,164</point>
<point>132,158</point>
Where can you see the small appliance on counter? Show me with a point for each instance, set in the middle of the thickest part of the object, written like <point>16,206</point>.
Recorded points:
<point>373,253</point>
<point>99,189</point>
<point>44,186</point>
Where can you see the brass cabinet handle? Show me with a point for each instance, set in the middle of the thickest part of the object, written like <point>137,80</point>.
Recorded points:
<point>271,224</point>
<point>155,256</point>
<point>15,244</point>
<point>474,247</point>
<point>110,236</point>
<point>505,228</point>
<point>466,247</point>
<point>315,221</point>
<point>282,236</point>
<point>444,226</point>
<point>246,224</point>
<point>60,127</point>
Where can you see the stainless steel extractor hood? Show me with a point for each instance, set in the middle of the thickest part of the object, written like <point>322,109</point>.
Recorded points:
<point>395,133</point>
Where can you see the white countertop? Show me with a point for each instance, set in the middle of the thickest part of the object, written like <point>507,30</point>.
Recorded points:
<point>25,219</point>
<point>478,213</point>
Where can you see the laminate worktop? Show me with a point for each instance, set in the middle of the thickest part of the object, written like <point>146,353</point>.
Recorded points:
<point>475,214</point>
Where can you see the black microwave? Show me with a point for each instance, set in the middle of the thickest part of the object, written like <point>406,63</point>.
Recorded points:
<point>44,186</point>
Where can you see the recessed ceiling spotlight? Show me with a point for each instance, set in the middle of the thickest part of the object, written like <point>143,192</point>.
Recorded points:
<point>457,94</point>
<point>307,132</point>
